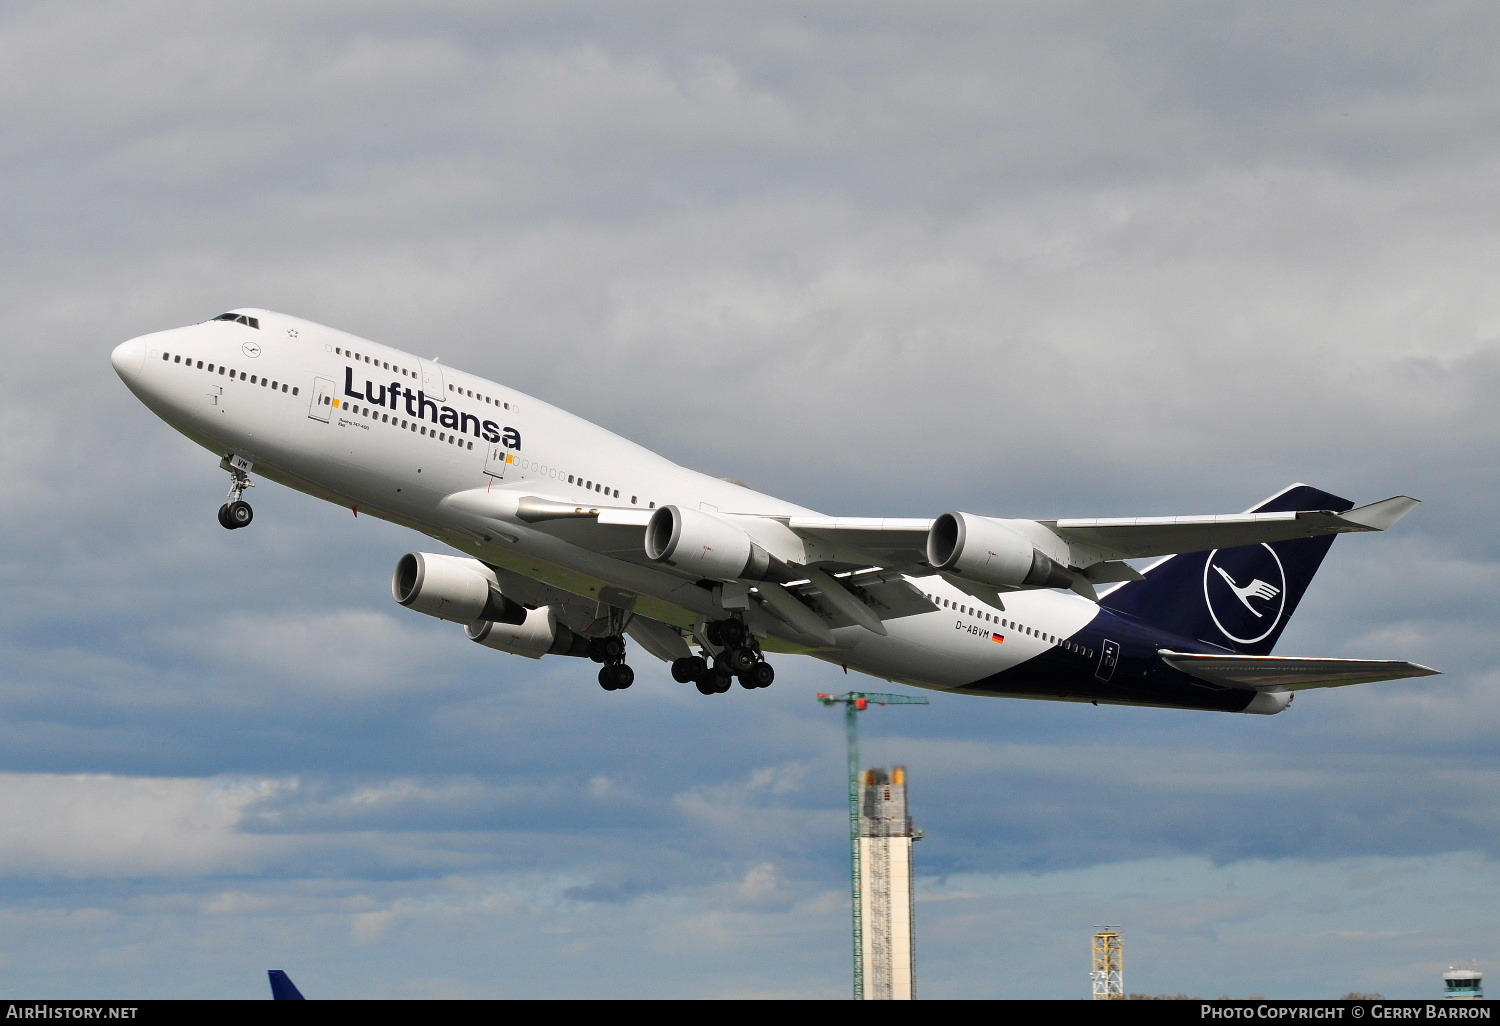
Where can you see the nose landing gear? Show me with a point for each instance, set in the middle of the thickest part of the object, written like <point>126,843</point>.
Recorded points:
<point>236,512</point>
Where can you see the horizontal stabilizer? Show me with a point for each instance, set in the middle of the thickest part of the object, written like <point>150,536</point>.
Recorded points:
<point>1291,673</point>
<point>1378,516</point>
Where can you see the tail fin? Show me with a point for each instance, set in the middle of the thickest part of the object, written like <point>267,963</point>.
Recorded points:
<point>1239,598</point>
<point>282,987</point>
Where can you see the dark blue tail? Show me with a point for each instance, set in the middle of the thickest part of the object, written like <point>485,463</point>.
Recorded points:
<point>282,987</point>
<point>1238,598</point>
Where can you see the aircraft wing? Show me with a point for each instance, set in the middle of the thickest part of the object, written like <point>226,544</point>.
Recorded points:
<point>1138,537</point>
<point>810,568</point>
<point>1291,673</point>
<point>868,541</point>
<point>899,544</point>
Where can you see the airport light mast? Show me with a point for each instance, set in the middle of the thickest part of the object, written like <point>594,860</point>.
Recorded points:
<point>855,702</point>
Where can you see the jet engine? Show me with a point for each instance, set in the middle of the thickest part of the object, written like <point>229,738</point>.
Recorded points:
<point>537,635</point>
<point>702,544</point>
<point>452,588</point>
<point>988,551</point>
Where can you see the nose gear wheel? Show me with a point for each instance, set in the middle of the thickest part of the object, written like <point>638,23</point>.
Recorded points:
<point>236,512</point>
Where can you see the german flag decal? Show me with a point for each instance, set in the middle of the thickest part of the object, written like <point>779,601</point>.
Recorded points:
<point>998,639</point>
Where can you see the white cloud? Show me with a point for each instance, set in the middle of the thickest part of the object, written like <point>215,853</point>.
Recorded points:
<point>96,825</point>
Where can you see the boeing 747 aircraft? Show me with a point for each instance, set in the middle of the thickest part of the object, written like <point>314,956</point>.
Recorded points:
<point>570,540</point>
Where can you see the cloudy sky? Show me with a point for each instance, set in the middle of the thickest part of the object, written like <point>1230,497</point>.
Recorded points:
<point>1027,259</point>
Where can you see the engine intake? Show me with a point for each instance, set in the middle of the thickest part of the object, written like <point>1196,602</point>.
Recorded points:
<point>537,635</point>
<point>988,551</point>
<point>452,588</point>
<point>702,544</point>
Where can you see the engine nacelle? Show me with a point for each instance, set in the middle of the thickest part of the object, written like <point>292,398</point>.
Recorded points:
<point>538,635</point>
<point>988,551</point>
<point>702,544</point>
<point>452,588</point>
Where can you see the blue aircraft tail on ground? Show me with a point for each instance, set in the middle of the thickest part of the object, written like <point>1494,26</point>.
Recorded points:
<point>1240,598</point>
<point>282,987</point>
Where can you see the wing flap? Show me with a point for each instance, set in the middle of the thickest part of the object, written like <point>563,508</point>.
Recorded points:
<point>887,594</point>
<point>1291,673</point>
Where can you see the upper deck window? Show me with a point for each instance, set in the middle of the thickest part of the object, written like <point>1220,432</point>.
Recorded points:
<point>254,322</point>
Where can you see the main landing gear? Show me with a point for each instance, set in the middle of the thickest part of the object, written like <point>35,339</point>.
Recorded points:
<point>739,656</point>
<point>615,674</point>
<point>236,512</point>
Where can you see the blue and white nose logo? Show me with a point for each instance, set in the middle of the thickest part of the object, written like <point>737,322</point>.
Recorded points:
<point>1246,592</point>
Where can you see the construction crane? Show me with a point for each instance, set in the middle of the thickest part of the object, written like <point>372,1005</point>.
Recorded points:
<point>856,702</point>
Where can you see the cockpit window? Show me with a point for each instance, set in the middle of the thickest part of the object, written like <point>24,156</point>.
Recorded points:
<point>254,322</point>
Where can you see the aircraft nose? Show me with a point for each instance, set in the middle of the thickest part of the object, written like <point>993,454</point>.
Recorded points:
<point>128,358</point>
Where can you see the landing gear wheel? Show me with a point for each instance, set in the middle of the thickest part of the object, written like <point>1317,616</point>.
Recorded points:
<point>715,682</point>
<point>733,632</point>
<point>688,669</point>
<point>608,649</point>
<point>616,677</point>
<point>737,660</point>
<point>236,514</point>
<point>758,676</point>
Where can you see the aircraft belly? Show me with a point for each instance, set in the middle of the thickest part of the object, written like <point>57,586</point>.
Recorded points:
<point>933,649</point>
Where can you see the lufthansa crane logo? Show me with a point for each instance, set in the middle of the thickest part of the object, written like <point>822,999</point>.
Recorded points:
<point>251,349</point>
<point>1245,590</point>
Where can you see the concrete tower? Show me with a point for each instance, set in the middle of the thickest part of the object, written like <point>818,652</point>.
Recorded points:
<point>1463,983</point>
<point>885,840</point>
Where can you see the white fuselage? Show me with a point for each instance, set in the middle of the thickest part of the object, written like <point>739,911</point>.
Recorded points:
<point>391,435</point>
